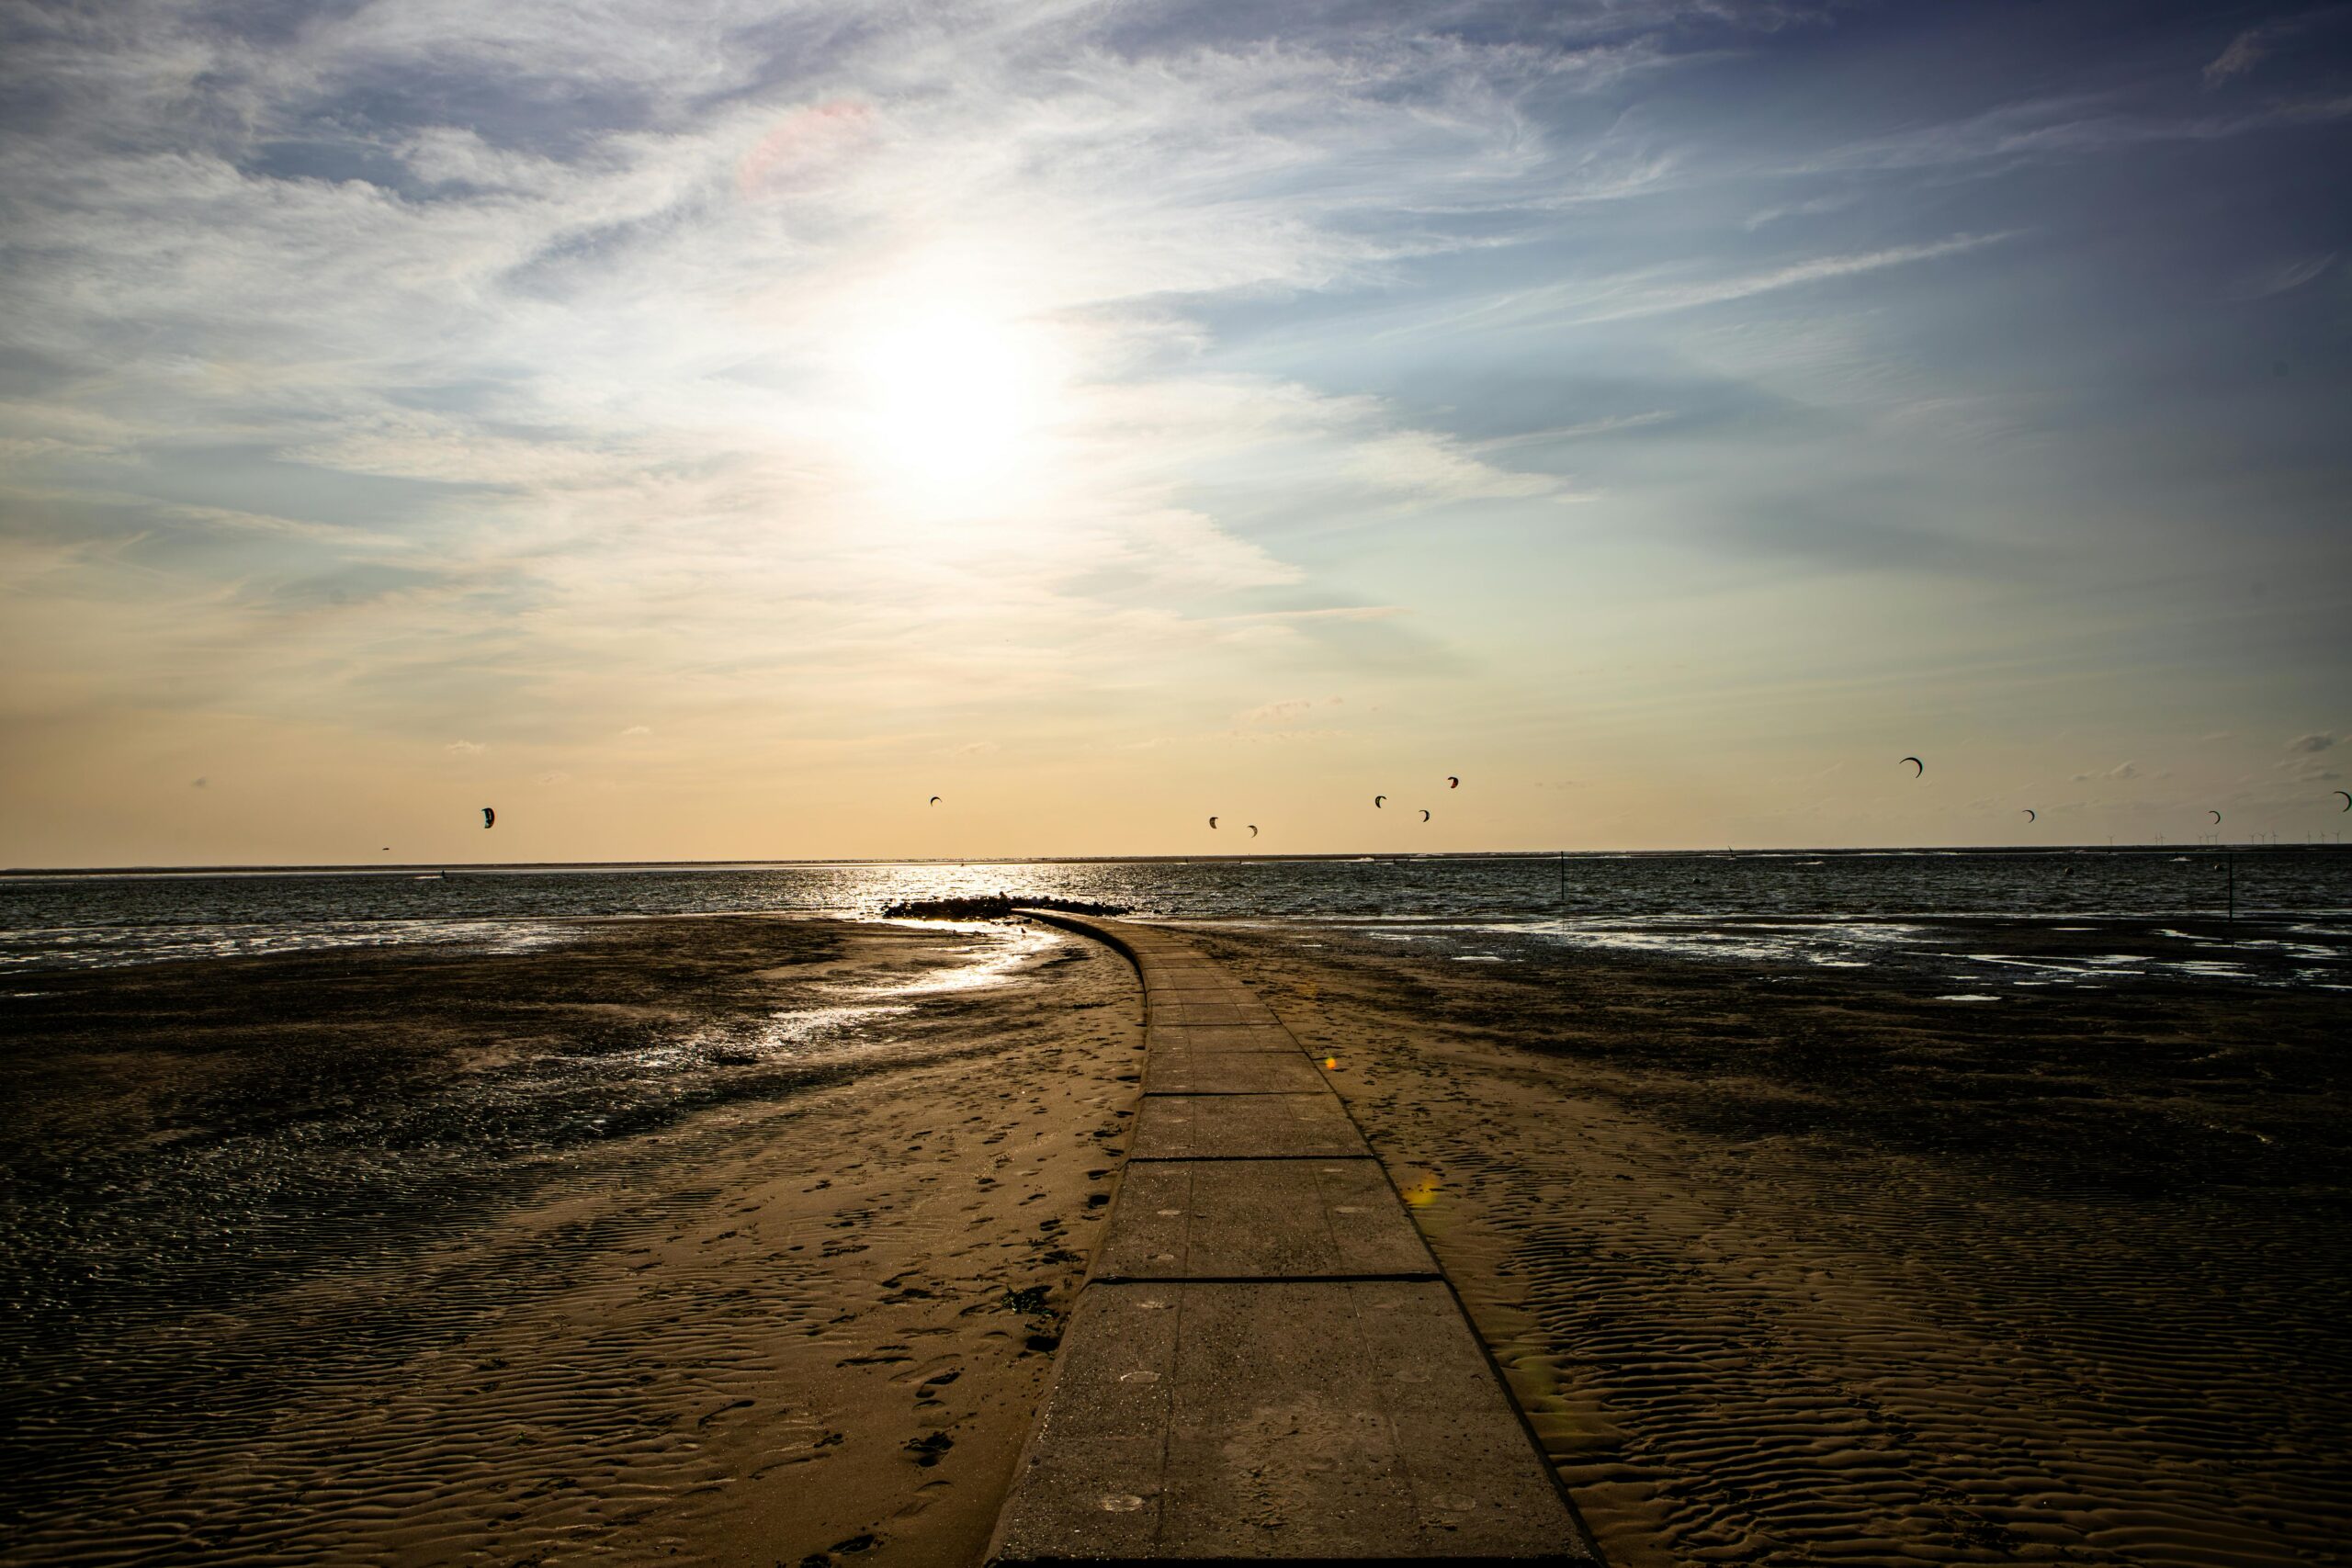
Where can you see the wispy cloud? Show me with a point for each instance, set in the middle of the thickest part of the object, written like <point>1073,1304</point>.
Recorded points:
<point>593,363</point>
<point>1327,612</point>
<point>2243,54</point>
<point>1422,464</point>
<point>2282,277</point>
<point>1670,289</point>
<point>1019,382</point>
<point>1611,425</point>
<point>1640,296</point>
<point>1812,207</point>
<point>2071,126</point>
<point>1287,709</point>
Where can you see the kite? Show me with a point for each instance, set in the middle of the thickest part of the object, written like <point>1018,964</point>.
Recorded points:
<point>1212,821</point>
<point>488,818</point>
<point>2030,814</point>
<point>2214,815</point>
<point>1253,830</point>
<point>1452,782</point>
<point>1915,763</point>
<point>2348,798</point>
<point>1425,815</point>
<point>935,800</point>
<point>1378,801</point>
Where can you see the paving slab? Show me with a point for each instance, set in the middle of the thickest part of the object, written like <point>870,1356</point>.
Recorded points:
<point>1182,976</point>
<point>1248,1219</point>
<point>1165,996</point>
<point>1244,1126</point>
<point>1245,1010</point>
<point>1181,972</point>
<point>1323,1422</point>
<point>1208,1007</point>
<point>1231,1072</point>
<point>1168,955</point>
<point>1220,1037</point>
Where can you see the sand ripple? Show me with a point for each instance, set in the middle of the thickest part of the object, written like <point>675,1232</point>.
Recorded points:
<point>478,1306</point>
<point>1783,1302</point>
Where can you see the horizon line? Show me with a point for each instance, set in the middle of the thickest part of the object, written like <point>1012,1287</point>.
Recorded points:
<point>382,868</point>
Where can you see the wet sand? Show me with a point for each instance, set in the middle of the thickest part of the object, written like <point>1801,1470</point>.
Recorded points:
<point>1799,1266</point>
<point>727,1241</point>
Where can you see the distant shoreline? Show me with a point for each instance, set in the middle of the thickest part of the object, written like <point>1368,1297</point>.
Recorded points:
<point>364,868</point>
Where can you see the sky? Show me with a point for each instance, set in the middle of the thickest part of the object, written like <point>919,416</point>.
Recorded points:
<point>710,431</point>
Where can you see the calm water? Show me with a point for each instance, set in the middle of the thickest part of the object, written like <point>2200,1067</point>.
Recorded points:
<point>1757,905</point>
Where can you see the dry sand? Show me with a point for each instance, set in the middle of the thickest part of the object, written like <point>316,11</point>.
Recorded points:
<point>576,1256</point>
<point>1803,1268</point>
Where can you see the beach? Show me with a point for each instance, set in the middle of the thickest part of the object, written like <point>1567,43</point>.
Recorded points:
<point>327,1259</point>
<point>749,1240</point>
<point>1794,1263</point>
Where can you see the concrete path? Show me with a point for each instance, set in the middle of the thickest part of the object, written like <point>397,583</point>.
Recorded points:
<point>1265,1363</point>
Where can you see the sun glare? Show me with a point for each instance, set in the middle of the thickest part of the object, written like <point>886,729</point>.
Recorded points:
<point>953,402</point>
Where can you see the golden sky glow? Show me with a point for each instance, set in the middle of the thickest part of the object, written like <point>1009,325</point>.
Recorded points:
<point>711,443</point>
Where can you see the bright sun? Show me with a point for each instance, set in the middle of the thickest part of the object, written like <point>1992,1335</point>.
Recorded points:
<point>954,401</point>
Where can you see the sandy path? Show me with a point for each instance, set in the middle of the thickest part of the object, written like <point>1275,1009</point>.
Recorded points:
<point>1840,1274</point>
<point>804,1322</point>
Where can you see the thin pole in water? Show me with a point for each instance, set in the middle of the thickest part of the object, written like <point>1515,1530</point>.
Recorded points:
<point>2232,861</point>
<point>1563,879</point>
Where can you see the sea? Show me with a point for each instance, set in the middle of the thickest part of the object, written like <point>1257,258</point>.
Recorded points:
<point>2269,916</point>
